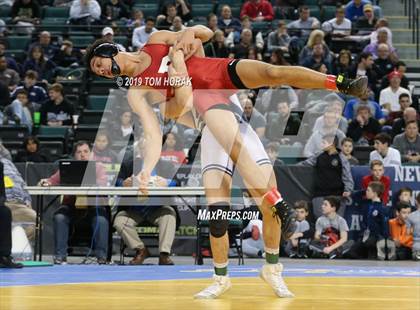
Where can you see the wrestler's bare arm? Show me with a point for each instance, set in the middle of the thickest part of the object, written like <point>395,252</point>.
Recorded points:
<point>169,37</point>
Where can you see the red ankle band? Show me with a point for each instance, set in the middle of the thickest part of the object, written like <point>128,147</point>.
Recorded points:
<point>272,196</point>
<point>330,82</point>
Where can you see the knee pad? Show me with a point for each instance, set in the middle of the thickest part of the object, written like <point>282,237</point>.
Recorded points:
<point>218,222</point>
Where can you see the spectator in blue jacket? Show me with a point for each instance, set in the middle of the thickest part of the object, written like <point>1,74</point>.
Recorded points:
<point>228,23</point>
<point>354,9</point>
<point>37,94</point>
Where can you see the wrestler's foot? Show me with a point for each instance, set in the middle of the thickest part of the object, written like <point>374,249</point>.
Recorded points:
<point>287,217</point>
<point>220,285</point>
<point>271,273</point>
<point>352,87</point>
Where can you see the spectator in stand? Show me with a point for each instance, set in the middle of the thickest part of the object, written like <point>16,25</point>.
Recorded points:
<point>347,150</point>
<point>343,63</point>
<point>11,62</point>
<point>354,9</point>
<point>363,67</point>
<point>254,54</point>
<point>285,127</point>
<point>297,245</point>
<point>316,37</point>
<point>114,10</point>
<point>279,38</point>
<point>177,24</point>
<point>413,226</point>
<point>212,22</point>
<point>408,143</point>
<point>229,24</point>
<point>216,47</point>
<point>173,149</point>
<point>9,77</point>
<point>330,128</point>
<point>246,24</point>
<point>254,117</point>
<point>37,94</point>
<point>335,105</point>
<point>136,20</point>
<point>403,195</point>
<point>253,244</point>
<point>277,58</point>
<point>377,174</point>
<point>75,208</point>
<point>364,128</point>
<point>101,149</point>
<point>304,24</point>
<point>108,34</point>
<point>401,67</point>
<point>163,22</point>
<point>182,7</point>
<point>384,152</point>
<point>67,55</point>
<point>333,175</point>
<point>37,61</point>
<point>389,97</point>
<point>257,10</point>
<point>382,39</point>
<point>25,14</point>
<point>331,231</point>
<point>404,101</point>
<point>273,152</point>
<point>366,24</point>
<point>339,26</point>
<point>241,50</point>
<point>45,43</point>
<point>57,111</point>
<point>409,114</point>
<point>85,12</point>
<point>317,58</point>
<point>383,64</point>
<point>4,152</point>
<point>377,221</point>
<point>381,24</point>
<point>142,33</point>
<point>350,111</point>
<point>32,152</point>
<point>20,111</point>
<point>398,230</point>
<point>125,128</point>
<point>2,28</point>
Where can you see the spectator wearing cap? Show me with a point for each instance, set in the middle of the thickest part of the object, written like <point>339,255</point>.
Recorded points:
<point>401,67</point>
<point>389,97</point>
<point>409,114</point>
<point>36,93</point>
<point>384,152</point>
<point>382,39</point>
<point>364,128</point>
<point>340,26</point>
<point>108,34</point>
<point>304,24</point>
<point>350,111</point>
<point>11,62</point>
<point>408,143</point>
<point>114,10</point>
<point>45,43</point>
<point>85,12</point>
<point>57,111</point>
<point>227,23</point>
<point>67,55</point>
<point>8,76</point>
<point>366,24</point>
<point>257,10</point>
<point>142,34</point>
<point>383,64</point>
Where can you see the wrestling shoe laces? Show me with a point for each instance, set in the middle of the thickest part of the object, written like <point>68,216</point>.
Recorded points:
<point>220,285</point>
<point>287,217</point>
<point>352,87</point>
<point>271,273</point>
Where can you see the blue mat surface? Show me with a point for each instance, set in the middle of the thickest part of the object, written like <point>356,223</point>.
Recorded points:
<point>113,273</point>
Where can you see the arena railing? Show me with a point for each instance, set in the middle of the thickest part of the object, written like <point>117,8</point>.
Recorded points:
<point>412,11</point>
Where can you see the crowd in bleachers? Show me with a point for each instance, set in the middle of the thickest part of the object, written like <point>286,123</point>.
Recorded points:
<point>46,92</point>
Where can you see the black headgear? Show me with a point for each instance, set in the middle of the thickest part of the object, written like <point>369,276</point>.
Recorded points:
<point>108,50</point>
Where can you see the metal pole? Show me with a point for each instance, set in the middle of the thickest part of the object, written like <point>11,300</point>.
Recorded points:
<point>418,34</point>
<point>405,8</point>
<point>409,13</point>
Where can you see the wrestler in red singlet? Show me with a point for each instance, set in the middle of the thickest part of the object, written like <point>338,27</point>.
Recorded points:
<point>213,79</point>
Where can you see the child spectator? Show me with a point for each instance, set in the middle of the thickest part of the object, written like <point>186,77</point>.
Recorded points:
<point>347,149</point>
<point>297,245</point>
<point>402,196</point>
<point>172,149</point>
<point>101,150</point>
<point>37,94</point>
<point>398,231</point>
<point>19,112</point>
<point>273,152</point>
<point>377,171</point>
<point>331,231</point>
<point>384,152</point>
<point>377,221</point>
<point>413,226</point>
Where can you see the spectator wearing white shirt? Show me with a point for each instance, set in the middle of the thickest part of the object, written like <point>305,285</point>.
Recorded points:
<point>84,12</point>
<point>389,97</point>
<point>340,26</point>
<point>383,152</point>
<point>142,34</point>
